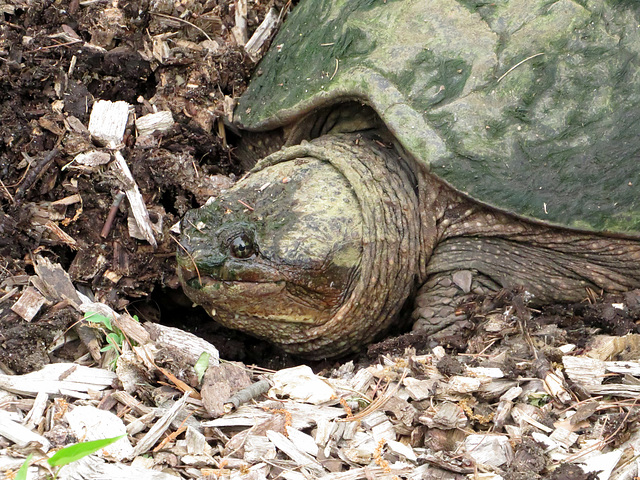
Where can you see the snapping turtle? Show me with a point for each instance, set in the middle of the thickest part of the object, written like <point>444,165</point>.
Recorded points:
<point>418,151</point>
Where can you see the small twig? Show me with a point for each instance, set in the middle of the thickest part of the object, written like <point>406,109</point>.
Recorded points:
<point>183,21</point>
<point>41,49</point>
<point>518,64</point>
<point>112,214</point>
<point>246,394</point>
<point>7,191</point>
<point>335,71</point>
<point>195,267</point>
<point>9,294</point>
<point>246,205</point>
<point>377,403</point>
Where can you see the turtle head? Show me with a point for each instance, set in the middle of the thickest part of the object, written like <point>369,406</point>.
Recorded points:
<point>277,253</point>
<point>314,250</point>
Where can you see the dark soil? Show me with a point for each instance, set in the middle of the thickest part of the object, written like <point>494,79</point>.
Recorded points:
<point>56,59</point>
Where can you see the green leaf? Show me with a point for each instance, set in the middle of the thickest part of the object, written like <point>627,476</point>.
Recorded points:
<point>22,473</point>
<point>539,399</point>
<point>97,318</point>
<point>114,339</point>
<point>201,365</point>
<point>77,451</point>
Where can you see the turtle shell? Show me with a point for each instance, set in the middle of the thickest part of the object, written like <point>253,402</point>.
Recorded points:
<point>529,106</point>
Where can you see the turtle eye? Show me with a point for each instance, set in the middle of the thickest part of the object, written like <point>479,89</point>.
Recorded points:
<point>242,246</point>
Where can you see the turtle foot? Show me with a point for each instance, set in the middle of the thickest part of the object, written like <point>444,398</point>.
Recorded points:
<point>436,309</point>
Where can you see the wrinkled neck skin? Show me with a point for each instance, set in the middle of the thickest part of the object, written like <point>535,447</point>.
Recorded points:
<point>315,304</point>
<point>396,238</point>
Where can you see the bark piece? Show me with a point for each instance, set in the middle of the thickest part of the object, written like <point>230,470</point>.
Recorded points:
<point>184,347</point>
<point>29,304</point>
<point>221,382</point>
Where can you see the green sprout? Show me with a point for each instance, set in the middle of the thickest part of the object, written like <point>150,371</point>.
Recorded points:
<point>69,454</point>
<point>113,335</point>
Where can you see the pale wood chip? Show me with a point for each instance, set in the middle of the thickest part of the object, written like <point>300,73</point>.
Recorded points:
<point>95,468</point>
<point>554,384</point>
<point>258,448</point>
<point>588,372</point>
<point>55,378</point>
<point>160,427</point>
<point>300,383</point>
<point>18,434</point>
<point>304,442</point>
<point>36,413</point>
<point>240,29</point>
<point>494,450</point>
<point>159,121</point>
<point>302,415</point>
<point>108,121</point>
<point>90,423</point>
<point>303,459</point>
<point>139,209</point>
<point>262,34</point>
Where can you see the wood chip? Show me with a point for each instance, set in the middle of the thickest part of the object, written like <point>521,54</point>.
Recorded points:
<point>29,304</point>
<point>303,415</point>
<point>304,460</point>
<point>92,159</point>
<point>90,423</point>
<point>240,29</point>
<point>494,450</point>
<point>159,121</point>
<point>59,378</point>
<point>36,413</point>
<point>155,432</point>
<point>301,384</point>
<point>588,372</point>
<point>261,35</point>
<point>18,434</point>
<point>184,346</point>
<point>130,187</point>
<point>108,121</point>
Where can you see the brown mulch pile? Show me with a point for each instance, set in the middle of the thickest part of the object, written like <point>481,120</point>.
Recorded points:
<point>548,394</point>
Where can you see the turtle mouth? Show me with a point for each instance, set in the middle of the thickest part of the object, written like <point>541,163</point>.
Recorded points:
<point>208,282</point>
<point>237,301</point>
<point>246,287</point>
<point>198,279</point>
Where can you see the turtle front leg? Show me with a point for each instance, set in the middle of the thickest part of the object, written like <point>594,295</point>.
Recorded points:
<point>436,306</point>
